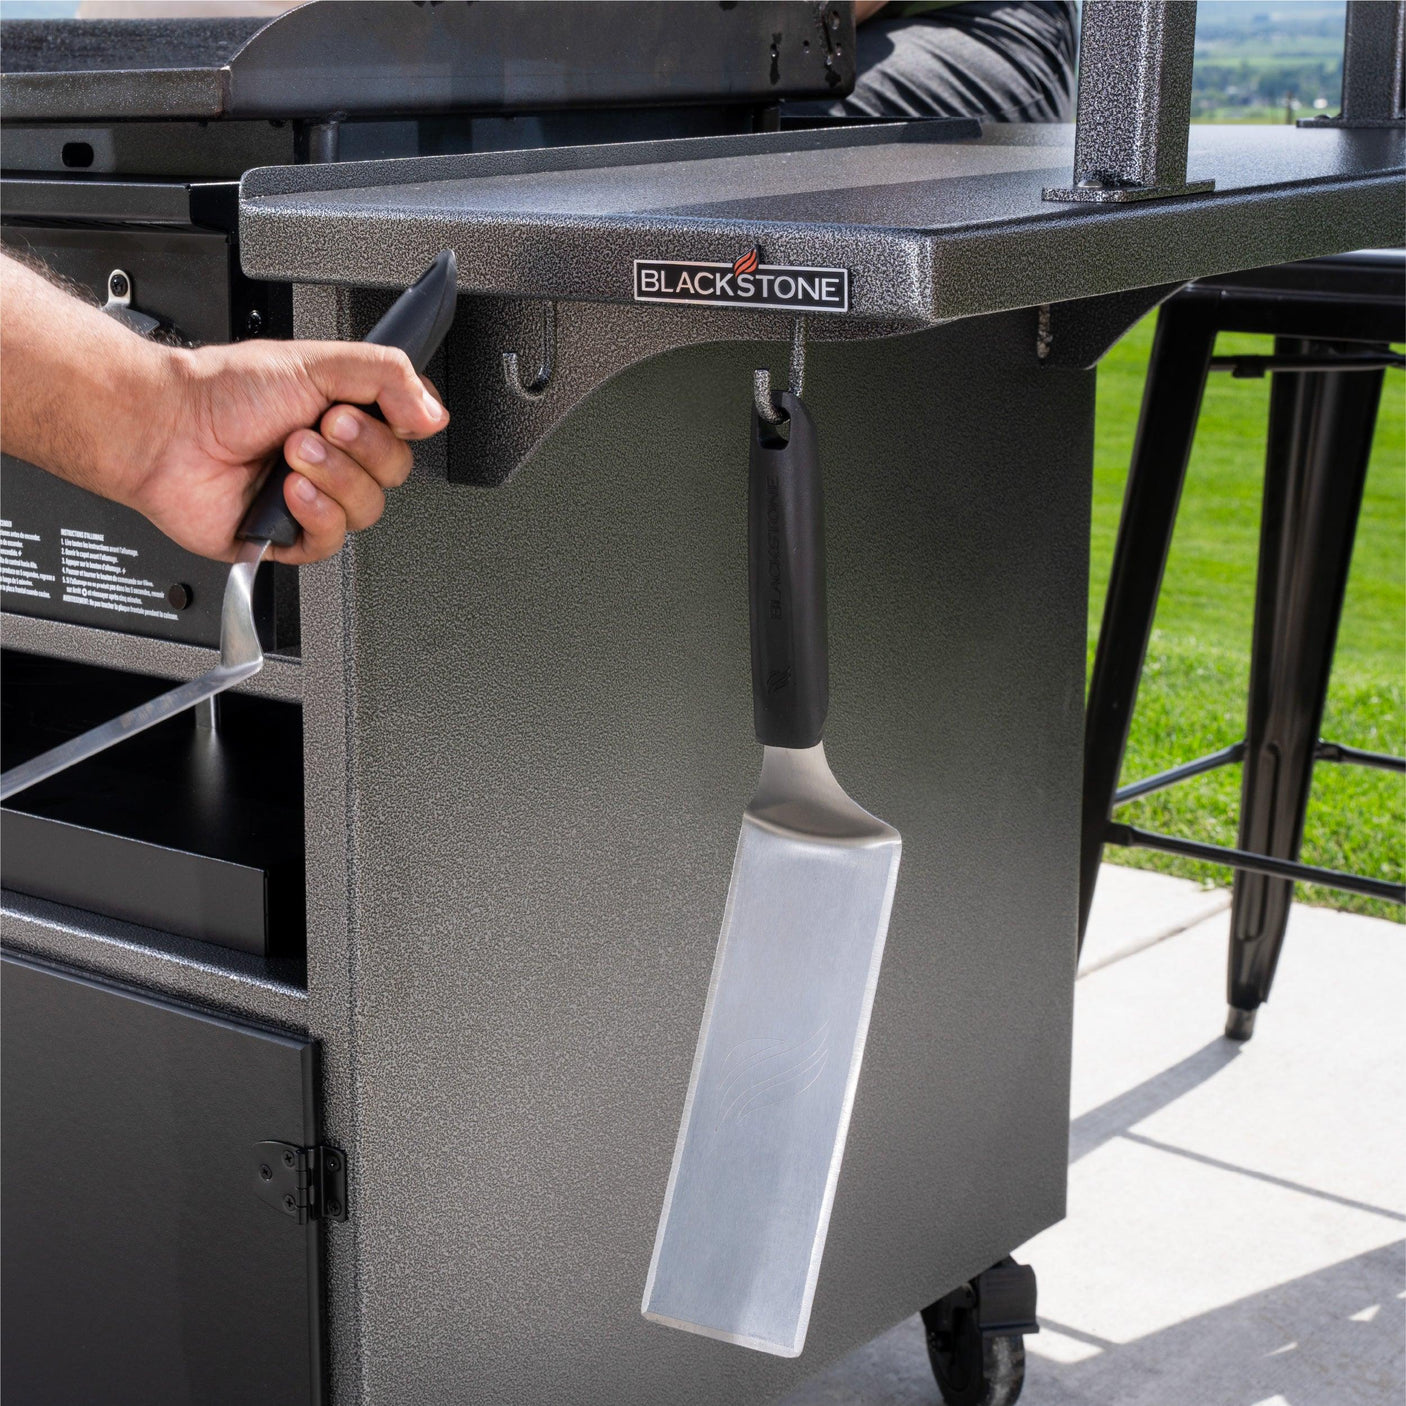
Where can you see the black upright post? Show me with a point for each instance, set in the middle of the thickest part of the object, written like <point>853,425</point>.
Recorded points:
<point>1320,439</point>
<point>1171,403</point>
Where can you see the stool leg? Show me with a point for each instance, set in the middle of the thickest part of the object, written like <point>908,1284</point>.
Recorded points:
<point>1320,438</point>
<point>1171,403</point>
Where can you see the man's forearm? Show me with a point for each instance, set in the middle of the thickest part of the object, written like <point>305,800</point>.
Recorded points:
<point>80,395</point>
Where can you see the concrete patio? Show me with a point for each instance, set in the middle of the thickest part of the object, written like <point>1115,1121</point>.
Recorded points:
<point>1236,1212</point>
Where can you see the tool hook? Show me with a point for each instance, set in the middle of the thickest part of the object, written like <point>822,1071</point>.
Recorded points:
<point>762,397</point>
<point>536,388</point>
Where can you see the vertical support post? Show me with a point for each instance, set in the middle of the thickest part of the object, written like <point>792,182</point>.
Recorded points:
<point>1134,115</point>
<point>1374,66</point>
<point>1320,440</point>
<point>1171,405</point>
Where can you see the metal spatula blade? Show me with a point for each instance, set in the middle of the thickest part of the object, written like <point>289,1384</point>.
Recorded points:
<point>747,1208</point>
<point>241,657</point>
<point>738,1250</point>
<point>416,323</point>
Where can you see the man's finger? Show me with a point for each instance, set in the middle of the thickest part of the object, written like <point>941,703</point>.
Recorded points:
<point>323,523</point>
<point>362,374</point>
<point>381,453</point>
<point>337,475</point>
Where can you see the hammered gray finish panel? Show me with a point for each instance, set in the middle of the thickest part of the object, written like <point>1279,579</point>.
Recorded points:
<point>541,698</point>
<point>494,430</point>
<point>216,977</point>
<point>281,677</point>
<point>930,231</point>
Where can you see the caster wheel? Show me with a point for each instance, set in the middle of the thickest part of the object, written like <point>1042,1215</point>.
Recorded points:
<point>975,1367</point>
<point>974,1370</point>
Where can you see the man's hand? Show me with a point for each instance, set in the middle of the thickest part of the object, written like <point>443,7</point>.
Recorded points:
<point>233,408</point>
<point>186,437</point>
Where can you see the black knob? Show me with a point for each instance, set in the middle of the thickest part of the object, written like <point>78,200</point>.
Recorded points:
<point>179,595</point>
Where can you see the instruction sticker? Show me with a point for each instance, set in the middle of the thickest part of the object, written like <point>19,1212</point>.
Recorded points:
<point>744,283</point>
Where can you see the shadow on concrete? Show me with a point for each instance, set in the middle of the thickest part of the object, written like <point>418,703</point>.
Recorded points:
<point>1333,1336</point>
<point>1089,1131</point>
<point>1330,1338</point>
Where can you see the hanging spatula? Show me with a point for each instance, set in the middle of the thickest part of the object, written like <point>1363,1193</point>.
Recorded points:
<point>738,1249</point>
<point>416,323</point>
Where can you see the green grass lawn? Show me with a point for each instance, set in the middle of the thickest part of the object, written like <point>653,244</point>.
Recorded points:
<point>1192,699</point>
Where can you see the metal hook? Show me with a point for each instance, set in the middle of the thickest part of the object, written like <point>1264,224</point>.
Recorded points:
<point>762,397</point>
<point>536,388</point>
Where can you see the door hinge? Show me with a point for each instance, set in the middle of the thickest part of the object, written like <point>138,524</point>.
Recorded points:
<point>305,1183</point>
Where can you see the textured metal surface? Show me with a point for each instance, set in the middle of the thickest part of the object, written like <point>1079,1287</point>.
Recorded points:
<point>1374,66</point>
<point>930,231</point>
<point>280,677</point>
<point>334,806</point>
<point>1134,111</point>
<point>493,430</point>
<point>396,58</point>
<point>522,808</point>
<point>268,988</point>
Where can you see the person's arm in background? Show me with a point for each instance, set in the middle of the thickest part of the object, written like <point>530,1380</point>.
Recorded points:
<point>185,437</point>
<point>867,9</point>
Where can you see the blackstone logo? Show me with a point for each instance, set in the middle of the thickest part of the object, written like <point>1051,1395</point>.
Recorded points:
<point>744,283</point>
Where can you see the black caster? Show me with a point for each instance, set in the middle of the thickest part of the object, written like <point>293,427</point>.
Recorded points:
<point>976,1336</point>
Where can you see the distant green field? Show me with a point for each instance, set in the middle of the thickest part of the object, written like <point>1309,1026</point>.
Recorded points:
<point>1192,699</point>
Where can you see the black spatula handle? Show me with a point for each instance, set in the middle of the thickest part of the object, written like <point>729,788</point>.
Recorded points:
<point>416,323</point>
<point>786,548</point>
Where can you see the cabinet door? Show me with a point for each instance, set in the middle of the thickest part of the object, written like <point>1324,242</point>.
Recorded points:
<point>140,1265</point>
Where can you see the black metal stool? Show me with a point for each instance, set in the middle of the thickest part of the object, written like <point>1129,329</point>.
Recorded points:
<point>1332,320</point>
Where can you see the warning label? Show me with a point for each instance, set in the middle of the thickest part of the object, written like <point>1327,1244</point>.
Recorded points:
<point>102,576</point>
<point>19,572</point>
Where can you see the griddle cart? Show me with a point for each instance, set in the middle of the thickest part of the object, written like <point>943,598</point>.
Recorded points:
<point>523,709</point>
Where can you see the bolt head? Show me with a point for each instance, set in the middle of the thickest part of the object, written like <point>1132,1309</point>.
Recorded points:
<point>254,323</point>
<point>332,1162</point>
<point>118,285</point>
<point>288,1159</point>
<point>265,1171</point>
<point>334,1209</point>
<point>290,1203</point>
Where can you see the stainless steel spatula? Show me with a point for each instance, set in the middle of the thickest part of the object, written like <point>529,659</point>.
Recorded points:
<point>416,323</point>
<point>738,1249</point>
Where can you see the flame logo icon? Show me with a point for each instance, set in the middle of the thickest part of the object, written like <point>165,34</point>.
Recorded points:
<point>747,263</point>
<point>771,1071</point>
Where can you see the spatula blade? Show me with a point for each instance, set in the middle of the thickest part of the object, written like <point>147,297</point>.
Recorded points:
<point>745,1215</point>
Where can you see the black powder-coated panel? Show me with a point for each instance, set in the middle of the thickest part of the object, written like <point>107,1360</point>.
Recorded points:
<point>186,894</point>
<point>178,828</point>
<point>67,554</point>
<point>139,1265</point>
